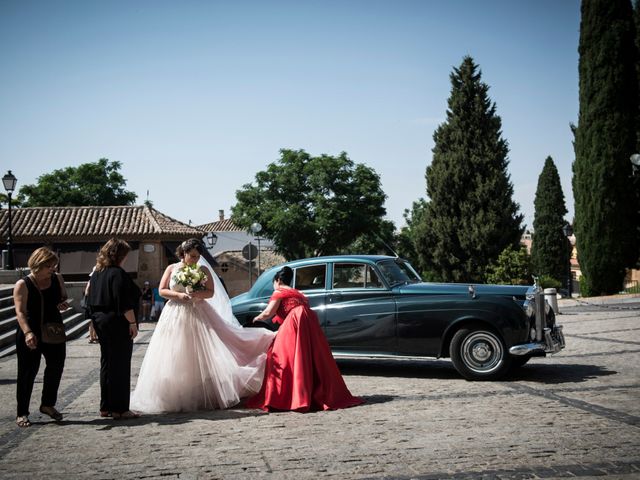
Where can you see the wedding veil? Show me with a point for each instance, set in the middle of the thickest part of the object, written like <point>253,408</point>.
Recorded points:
<point>220,300</point>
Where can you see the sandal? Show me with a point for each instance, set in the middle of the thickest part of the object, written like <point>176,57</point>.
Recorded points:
<point>23,421</point>
<point>52,412</point>
<point>125,415</point>
<point>105,413</point>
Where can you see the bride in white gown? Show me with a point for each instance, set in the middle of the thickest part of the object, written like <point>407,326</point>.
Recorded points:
<point>199,356</point>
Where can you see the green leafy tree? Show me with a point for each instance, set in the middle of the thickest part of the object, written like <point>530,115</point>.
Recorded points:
<point>312,206</point>
<point>550,250</point>
<point>470,217</point>
<point>513,267</point>
<point>4,200</point>
<point>606,202</point>
<point>408,235</point>
<point>408,239</point>
<point>96,184</point>
<point>380,239</point>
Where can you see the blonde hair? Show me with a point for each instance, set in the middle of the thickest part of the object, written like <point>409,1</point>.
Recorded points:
<point>40,258</point>
<point>112,253</point>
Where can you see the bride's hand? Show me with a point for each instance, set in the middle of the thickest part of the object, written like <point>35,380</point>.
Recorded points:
<point>185,297</point>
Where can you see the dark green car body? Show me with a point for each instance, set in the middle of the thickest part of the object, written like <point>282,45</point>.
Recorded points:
<point>378,306</point>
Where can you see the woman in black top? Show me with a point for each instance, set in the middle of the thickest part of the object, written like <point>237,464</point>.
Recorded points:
<point>113,299</point>
<point>38,298</point>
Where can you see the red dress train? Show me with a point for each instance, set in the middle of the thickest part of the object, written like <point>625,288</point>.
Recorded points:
<point>300,372</point>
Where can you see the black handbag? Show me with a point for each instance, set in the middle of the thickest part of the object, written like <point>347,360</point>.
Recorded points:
<point>84,304</point>
<point>51,332</point>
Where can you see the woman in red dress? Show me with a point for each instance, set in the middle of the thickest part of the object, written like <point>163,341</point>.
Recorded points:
<point>300,372</point>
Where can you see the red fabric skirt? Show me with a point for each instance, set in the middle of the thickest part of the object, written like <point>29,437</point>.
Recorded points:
<point>300,372</point>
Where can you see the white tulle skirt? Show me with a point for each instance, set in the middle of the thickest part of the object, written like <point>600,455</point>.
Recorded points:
<point>196,361</point>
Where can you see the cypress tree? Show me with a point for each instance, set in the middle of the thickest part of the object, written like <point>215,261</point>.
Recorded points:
<point>636,172</point>
<point>550,249</point>
<point>606,206</point>
<point>470,217</point>
<point>636,22</point>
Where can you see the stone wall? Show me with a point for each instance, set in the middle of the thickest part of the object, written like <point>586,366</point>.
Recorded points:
<point>10,277</point>
<point>151,263</point>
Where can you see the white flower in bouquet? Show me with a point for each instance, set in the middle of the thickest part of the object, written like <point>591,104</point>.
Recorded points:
<point>192,277</point>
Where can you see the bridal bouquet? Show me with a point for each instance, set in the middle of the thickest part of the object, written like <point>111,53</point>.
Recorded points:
<point>191,277</point>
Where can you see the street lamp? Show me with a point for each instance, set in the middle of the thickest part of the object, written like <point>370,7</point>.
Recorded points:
<point>256,228</point>
<point>9,181</point>
<point>568,231</point>
<point>212,239</point>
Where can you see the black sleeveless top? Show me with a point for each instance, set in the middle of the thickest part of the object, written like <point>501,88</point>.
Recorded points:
<point>112,290</point>
<point>51,298</point>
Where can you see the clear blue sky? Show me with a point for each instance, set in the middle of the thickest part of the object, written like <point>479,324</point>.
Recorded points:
<point>193,94</point>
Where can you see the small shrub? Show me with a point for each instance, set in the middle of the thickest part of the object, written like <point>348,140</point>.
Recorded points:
<point>512,268</point>
<point>545,281</point>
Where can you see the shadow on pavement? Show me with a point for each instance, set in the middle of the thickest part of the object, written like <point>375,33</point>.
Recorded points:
<point>444,370</point>
<point>556,374</point>
<point>173,418</point>
<point>373,399</point>
<point>428,368</point>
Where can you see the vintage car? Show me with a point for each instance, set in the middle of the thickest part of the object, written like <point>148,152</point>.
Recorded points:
<point>378,306</point>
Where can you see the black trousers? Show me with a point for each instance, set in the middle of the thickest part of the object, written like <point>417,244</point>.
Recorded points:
<point>28,366</point>
<point>116,347</point>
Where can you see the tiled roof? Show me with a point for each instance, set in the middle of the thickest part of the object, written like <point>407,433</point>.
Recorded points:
<point>38,224</point>
<point>225,225</point>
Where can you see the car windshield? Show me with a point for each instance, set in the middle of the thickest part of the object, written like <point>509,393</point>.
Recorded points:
<point>397,272</point>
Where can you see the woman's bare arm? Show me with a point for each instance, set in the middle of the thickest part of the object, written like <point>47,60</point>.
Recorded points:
<point>164,289</point>
<point>270,311</point>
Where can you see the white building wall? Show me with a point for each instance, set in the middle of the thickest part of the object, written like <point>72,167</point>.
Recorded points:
<point>236,241</point>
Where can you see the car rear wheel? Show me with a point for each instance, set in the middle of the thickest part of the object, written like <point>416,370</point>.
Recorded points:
<point>478,353</point>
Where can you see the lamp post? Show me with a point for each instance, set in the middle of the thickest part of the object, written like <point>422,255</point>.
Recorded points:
<point>568,231</point>
<point>256,228</point>
<point>212,239</point>
<point>9,181</point>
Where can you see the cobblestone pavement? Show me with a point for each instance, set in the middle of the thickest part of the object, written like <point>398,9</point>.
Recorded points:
<point>576,414</point>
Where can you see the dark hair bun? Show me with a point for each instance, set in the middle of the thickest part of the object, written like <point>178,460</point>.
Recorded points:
<point>285,275</point>
<point>190,244</point>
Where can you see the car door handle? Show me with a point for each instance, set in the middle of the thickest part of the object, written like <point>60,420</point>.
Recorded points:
<point>334,297</point>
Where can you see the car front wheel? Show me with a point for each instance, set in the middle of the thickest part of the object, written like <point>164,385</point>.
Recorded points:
<point>479,353</point>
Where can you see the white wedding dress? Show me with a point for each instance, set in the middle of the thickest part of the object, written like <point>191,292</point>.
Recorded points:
<point>200,357</point>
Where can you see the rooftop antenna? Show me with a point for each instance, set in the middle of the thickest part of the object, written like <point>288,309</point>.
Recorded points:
<point>395,254</point>
<point>148,202</point>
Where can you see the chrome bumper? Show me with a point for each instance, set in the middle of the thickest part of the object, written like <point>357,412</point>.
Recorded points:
<point>553,342</point>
